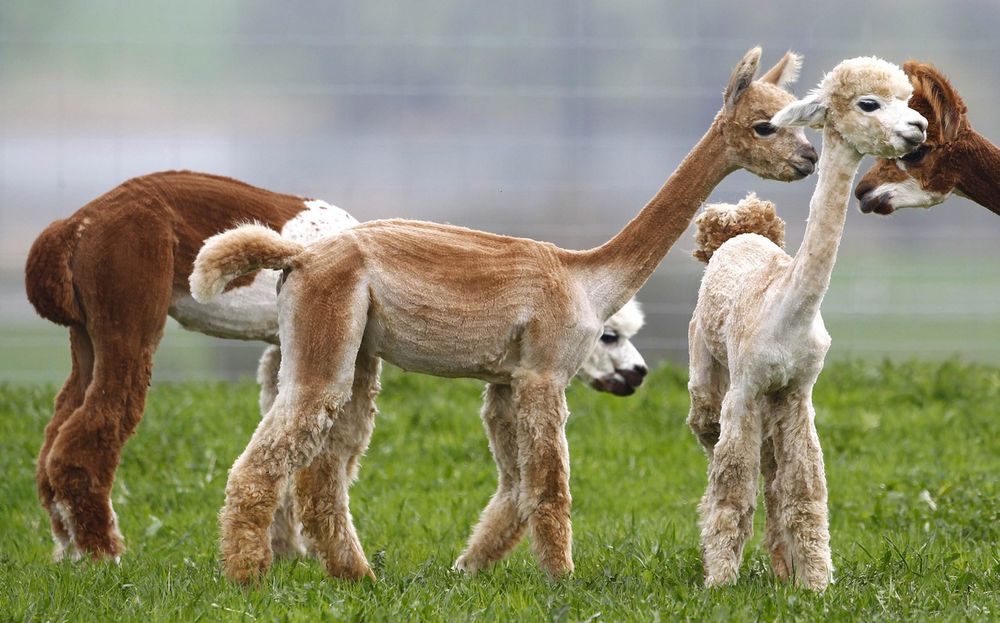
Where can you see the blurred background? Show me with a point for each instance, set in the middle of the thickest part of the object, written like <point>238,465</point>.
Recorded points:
<point>555,120</point>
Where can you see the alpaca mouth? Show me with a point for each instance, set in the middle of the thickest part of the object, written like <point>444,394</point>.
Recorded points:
<point>879,204</point>
<point>804,170</point>
<point>619,383</point>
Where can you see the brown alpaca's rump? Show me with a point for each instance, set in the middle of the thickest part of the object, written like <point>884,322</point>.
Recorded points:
<point>48,279</point>
<point>109,272</point>
<point>722,221</point>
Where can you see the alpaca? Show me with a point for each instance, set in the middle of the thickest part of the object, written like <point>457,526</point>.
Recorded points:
<point>615,365</point>
<point>112,273</point>
<point>955,157</point>
<point>443,300</point>
<point>757,340</point>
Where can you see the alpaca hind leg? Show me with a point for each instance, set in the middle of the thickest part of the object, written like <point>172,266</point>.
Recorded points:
<point>728,505</point>
<point>286,530</point>
<point>501,525</point>
<point>802,480</point>
<point>544,498</point>
<point>774,531</point>
<point>321,488</point>
<point>316,375</point>
<point>125,297</point>
<point>68,400</point>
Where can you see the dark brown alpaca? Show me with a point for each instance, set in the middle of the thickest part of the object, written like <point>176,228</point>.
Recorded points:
<point>955,158</point>
<point>111,273</point>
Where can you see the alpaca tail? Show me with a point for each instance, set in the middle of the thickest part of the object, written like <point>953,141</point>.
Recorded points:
<point>722,221</point>
<point>236,252</point>
<point>48,278</point>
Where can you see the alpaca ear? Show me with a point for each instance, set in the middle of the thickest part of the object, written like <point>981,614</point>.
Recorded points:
<point>808,111</point>
<point>931,85</point>
<point>785,72</point>
<point>742,77</point>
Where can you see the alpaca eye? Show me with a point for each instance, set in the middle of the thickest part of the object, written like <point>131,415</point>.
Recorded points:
<point>764,129</point>
<point>609,337</point>
<point>869,105</point>
<point>915,156</point>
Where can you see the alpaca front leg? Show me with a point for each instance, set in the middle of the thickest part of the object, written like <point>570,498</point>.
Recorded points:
<point>544,499</point>
<point>500,526</point>
<point>802,479</point>
<point>728,505</point>
<point>706,386</point>
<point>288,437</point>
<point>321,488</point>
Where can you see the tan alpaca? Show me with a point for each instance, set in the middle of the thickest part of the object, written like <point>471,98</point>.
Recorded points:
<point>757,340</point>
<point>519,314</point>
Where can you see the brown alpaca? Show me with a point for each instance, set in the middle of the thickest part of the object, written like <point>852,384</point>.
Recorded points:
<point>448,301</point>
<point>112,272</point>
<point>955,157</point>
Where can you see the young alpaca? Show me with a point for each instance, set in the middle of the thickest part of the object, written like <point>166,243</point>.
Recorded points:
<point>955,157</point>
<point>112,272</point>
<point>519,314</point>
<point>757,340</point>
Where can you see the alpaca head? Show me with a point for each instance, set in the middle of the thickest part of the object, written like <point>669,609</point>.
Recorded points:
<point>926,176</point>
<point>615,365</point>
<point>752,142</point>
<point>864,101</point>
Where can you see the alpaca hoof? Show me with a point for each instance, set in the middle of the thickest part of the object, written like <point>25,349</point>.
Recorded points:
<point>560,569</point>
<point>245,562</point>
<point>713,581</point>
<point>353,572</point>
<point>245,571</point>
<point>815,582</point>
<point>107,551</point>
<point>464,564</point>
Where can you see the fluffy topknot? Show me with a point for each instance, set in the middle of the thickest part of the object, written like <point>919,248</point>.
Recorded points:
<point>721,221</point>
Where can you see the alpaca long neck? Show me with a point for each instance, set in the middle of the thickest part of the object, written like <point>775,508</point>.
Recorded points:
<point>813,264</point>
<point>979,179</point>
<point>613,272</point>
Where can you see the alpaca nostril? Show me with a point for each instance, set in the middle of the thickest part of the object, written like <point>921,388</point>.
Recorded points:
<point>641,370</point>
<point>920,124</point>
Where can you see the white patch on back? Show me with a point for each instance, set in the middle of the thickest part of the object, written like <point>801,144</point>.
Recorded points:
<point>318,220</point>
<point>250,312</point>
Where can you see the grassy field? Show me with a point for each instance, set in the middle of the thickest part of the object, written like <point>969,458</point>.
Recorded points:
<point>913,461</point>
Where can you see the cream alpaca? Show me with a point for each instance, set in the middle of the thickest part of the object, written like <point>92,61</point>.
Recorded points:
<point>519,314</point>
<point>757,341</point>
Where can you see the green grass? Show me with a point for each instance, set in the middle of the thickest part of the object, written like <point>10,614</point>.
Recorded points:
<point>889,431</point>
